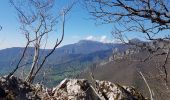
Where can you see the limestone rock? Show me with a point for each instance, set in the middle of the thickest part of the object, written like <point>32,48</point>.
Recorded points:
<point>73,89</point>
<point>80,89</point>
<point>16,89</point>
<point>111,91</point>
<point>69,89</point>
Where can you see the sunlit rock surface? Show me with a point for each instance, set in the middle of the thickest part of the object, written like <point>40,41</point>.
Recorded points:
<point>69,89</point>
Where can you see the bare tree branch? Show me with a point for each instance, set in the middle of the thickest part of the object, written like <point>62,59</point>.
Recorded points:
<point>32,76</point>
<point>149,19</point>
<point>0,27</point>
<point>37,21</point>
<point>164,66</point>
<point>150,91</point>
<point>18,64</point>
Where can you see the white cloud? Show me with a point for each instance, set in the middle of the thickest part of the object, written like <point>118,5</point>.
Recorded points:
<point>91,38</point>
<point>103,38</point>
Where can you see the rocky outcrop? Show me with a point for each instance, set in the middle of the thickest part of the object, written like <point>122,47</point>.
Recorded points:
<point>16,89</point>
<point>73,89</point>
<point>69,89</point>
<point>111,91</point>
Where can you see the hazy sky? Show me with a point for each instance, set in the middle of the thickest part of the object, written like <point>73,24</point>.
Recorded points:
<point>78,26</point>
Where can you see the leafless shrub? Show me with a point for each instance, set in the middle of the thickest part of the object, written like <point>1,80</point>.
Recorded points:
<point>37,22</point>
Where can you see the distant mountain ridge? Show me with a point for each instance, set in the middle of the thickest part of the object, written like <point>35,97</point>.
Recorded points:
<point>84,47</point>
<point>65,61</point>
<point>81,47</point>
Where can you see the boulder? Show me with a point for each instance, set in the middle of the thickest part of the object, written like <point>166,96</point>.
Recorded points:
<point>111,91</point>
<point>80,89</point>
<point>74,89</point>
<point>14,88</point>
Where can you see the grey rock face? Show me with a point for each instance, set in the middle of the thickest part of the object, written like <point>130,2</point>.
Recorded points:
<point>80,89</point>
<point>111,91</point>
<point>16,89</point>
<point>69,89</point>
<point>73,89</point>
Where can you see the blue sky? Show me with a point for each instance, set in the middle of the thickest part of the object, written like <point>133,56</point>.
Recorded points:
<point>78,26</point>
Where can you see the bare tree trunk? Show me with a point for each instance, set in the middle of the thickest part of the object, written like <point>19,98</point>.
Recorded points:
<point>34,64</point>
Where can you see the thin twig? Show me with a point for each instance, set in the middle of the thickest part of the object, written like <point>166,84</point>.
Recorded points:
<point>150,91</point>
